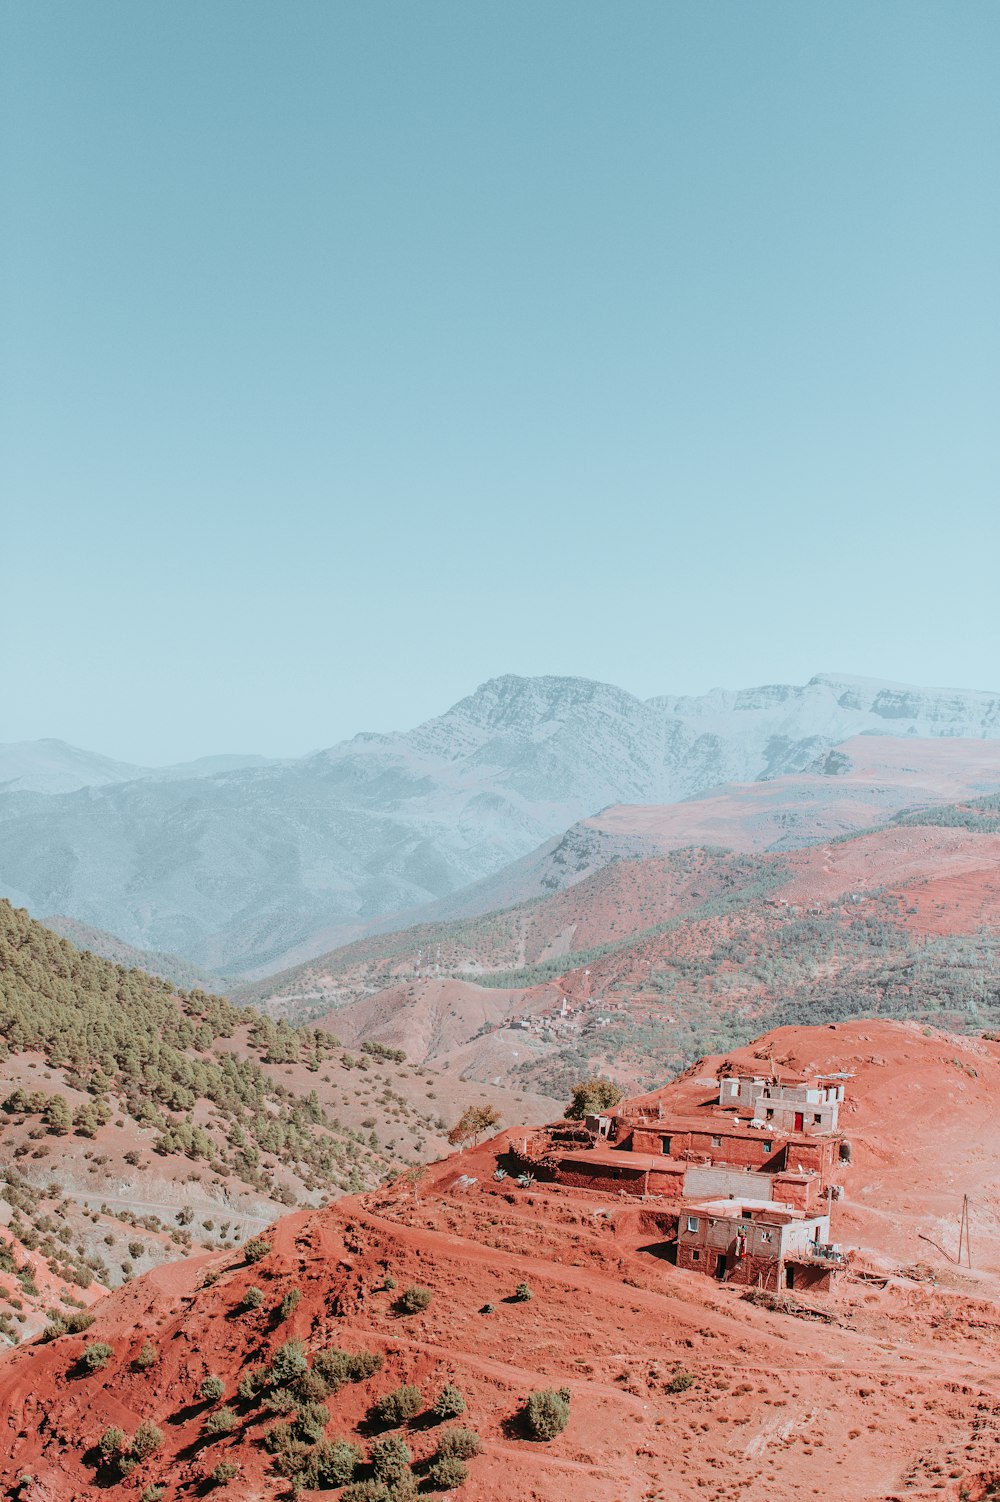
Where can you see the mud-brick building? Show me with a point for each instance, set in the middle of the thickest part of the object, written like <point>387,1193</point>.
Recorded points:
<point>721,1140</point>
<point>808,1106</point>
<point>758,1244</point>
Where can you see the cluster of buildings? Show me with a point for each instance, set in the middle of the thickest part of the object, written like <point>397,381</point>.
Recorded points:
<point>586,1016</point>
<point>752,1173</point>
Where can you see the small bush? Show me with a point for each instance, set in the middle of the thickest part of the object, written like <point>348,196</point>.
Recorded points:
<point>224,1472</point>
<point>367,1491</point>
<point>461,1443</point>
<point>255,1249</point>
<point>522,1293</point>
<point>222,1421</point>
<point>333,1463</point>
<point>312,1387</point>
<point>96,1356</point>
<point>291,1456</point>
<point>251,1383</point>
<point>113,1441</point>
<point>389,1283</point>
<point>414,1300</point>
<point>280,1400</point>
<point>252,1299</point>
<point>153,1494</point>
<point>147,1440</point>
<point>148,1356</point>
<point>449,1403</point>
<point>311,1421</point>
<point>546,1413</point>
<point>397,1406</point>
<point>289,1361</point>
<point>389,1459</point>
<point>337,1366</point>
<point>447,1472</point>
<point>289,1303</point>
<point>212,1389</point>
<point>680,1382</point>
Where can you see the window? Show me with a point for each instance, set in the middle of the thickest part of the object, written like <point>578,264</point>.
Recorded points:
<point>817,1118</point>
<point>665,1144</point>
<point>768,1146</point>
<point>692,1222</point>
<point>768,1115</point>
<point>716,1141</point>
<point>696,1256</point>
<point>765,1236</point>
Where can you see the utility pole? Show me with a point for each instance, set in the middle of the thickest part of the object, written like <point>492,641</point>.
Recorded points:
<point>963,1233</point>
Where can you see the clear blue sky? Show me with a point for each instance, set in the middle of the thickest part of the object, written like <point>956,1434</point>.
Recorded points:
<point>355,353</point>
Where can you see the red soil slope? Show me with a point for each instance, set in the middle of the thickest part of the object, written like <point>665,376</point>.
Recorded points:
<point>886,1389</point>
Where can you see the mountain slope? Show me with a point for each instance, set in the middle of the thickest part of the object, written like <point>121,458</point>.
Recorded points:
<point>234,870</point>
<point>678,1386</point>
<point>644,963</point>
<point>130,1112</point>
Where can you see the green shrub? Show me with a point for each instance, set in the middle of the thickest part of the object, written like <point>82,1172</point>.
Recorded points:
<point>447,1472</point>
<point>252,1298</point>
<point>312,1387</point>
<point>680,1382</point>
<point>66,1322</point>
<point>522,1293</point>
<point>280,1400</point>
<point>389,1459</point>
<point>113,1441</point>
<point>224,1472</point>
<point>288,1362</point>
<point>291,1455</point>
<point>289,1303</point>
<point>449,1403</point>
<point>311,1420</point>
<point>255,1249</point>
<point>222,1421</point>
<point>414,1300</point>
<point>146,1440</point>
<point>366,1491</point>
<point>212,1389</point>
<point>96,1356</point>
<point>397,1406</point>
<point>153,1494</point>
<point>546,1413</point>
<point>337,1366</point>
<point>333,1463</point>
<point>148,1356</point>
<point>251,1383</point>
<point>461,1443</point>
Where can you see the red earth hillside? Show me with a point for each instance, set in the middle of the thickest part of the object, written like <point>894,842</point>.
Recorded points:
<point>679,1387</point>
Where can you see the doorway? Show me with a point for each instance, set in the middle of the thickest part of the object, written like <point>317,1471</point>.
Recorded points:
<point>721,1266</point>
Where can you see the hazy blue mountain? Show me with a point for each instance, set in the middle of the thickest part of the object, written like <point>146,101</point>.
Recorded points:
<point>52,766</point>
<point>236,870</point>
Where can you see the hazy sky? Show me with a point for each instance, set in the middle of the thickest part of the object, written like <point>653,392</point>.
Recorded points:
<point>355,353</point>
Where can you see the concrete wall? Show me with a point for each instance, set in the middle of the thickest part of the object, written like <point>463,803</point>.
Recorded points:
<point>718,1183</point>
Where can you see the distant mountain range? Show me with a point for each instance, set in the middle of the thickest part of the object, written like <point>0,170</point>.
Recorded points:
<point>51,766</point>
<point>237,868</point>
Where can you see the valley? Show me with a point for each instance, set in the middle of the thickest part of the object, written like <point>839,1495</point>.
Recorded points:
<point>671,1384</point>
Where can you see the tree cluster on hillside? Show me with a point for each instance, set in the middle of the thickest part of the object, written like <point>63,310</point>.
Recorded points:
<point>129,1041</point>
